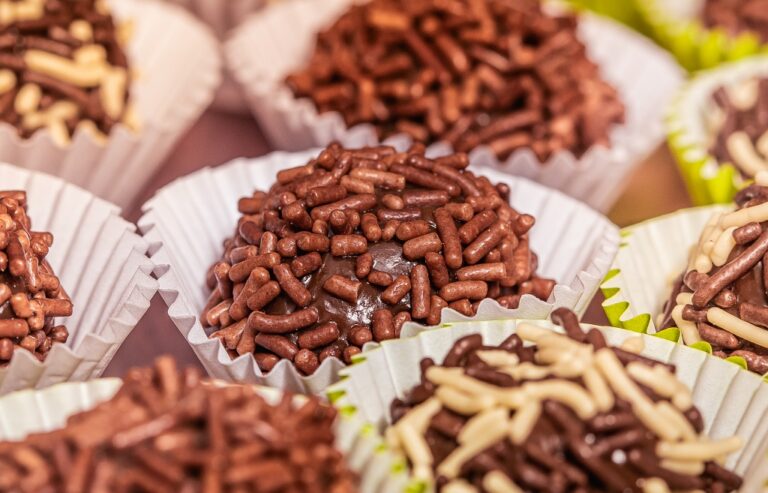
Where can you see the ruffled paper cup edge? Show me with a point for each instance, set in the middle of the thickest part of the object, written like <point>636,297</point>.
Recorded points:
<point>284,375</point>
<point>618,302</point>
<point>695,46</point>
<point>299,116</point>
<point>340,394</point>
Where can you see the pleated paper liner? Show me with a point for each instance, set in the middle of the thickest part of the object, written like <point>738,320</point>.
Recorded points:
<point>279,39</point>
<point>732,402</point>
<point>187,221</point>
<point>676,25</point>
<point>652,255</point>
<point>707,180</point>
<point>102,264</point>
<point>36,411</point>
<point>624,11</point>
<point>177,67</point>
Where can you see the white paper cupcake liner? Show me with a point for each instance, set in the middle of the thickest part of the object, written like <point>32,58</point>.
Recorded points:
<point>187,221</point>
<point>102,264</point>
<point>279,39</point>
<point>689,137</point>
<point>177,66</point>
<point>37,411</point>
<point>732,402</point>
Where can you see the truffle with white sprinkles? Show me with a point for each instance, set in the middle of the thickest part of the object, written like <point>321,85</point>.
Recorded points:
<point>550,412</point>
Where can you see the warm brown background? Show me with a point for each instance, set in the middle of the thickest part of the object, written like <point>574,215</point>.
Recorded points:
<point>654,189</point>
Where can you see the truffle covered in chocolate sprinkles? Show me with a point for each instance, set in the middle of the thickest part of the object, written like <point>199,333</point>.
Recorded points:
<point>345,249</point>
<point>548,412</point>
<point>30,293</point>
<point>469,72</point>
<point>721,297</point>
<point>738,16</point>
<point>62,68</point>
<point>168,431</point>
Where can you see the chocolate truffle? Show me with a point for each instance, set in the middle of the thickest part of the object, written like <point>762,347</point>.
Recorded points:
<point>738,16</point>
<point>721,296</point>
<point>31,295</point>
<point>548,412</point>
<point>62,68</point>
<point>738,123</point>
<point>170,431</point>
<point>345,249</point>
<point>469,72</point>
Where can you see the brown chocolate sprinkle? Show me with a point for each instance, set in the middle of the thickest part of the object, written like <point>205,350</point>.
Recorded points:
<point>738,16</point>
<point>360,269</point>
<point>62,68</point>
<point>469,72</point>
<point>565,414</point>
<point>170,431</point>
<point>30,293</point>
<point>721,297</point>
<point>738,124</point>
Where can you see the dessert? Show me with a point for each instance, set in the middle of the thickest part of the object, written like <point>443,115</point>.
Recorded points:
<point>738,123</point>
<point>348,247</point>
<point>62,68</point>
<point>31,295</point>
<point>738,16</point>
<point>469,72</point>
<point>550,412</point>
<point>168,431</point>
<point>720,298</point>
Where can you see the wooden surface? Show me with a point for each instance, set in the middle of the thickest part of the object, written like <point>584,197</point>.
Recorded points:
<point>654,189</point>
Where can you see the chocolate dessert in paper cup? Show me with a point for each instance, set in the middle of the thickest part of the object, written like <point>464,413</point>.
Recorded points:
<point>694,276</point>
<point>702,34</point>
<point>96,98</point>
<point>278,441</point>
<point>314,73</point>
<point>718,131</point>
<point>519,405</point>
<point>76,280</point>
<point>326,261</point>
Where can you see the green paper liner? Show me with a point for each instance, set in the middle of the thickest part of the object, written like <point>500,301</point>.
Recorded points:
<point>651,256</point>
<point>732,402</point>
<point>707,180</point>
<point>675,25</point>
<point>626,11</point>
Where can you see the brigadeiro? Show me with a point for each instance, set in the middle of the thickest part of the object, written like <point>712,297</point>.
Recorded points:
<point>738,125</point>
<point>486,72</point>
<point>348,247</point>
<point>171,431</point>
<point>30,293</point>
<point>546,412</point>
<point>737,16</point>
<point>62,68</point>
<point>720,298</point>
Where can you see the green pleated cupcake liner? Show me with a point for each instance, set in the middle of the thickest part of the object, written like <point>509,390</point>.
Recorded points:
<point>627,12</point>
<point>652,255</point>
<point>732,401</point>
<point>675,25</point>
<point>707,181</point>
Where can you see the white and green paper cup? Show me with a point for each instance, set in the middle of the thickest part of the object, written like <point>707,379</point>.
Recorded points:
<point>625,11</point>
<point>652,255</point>
<point>689,133</point>
<point>732,402</point>
<point>676,25</point>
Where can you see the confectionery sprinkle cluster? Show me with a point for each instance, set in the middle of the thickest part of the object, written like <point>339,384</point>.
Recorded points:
<point>739,126</point>
<point>169,431</point>
<point>62,68</point>
<point>469,72</point>
<point>738,16</point>
<point>721,297</point>
<point>31,295</point>
<point>345,249</point>
<point>549,412</point>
